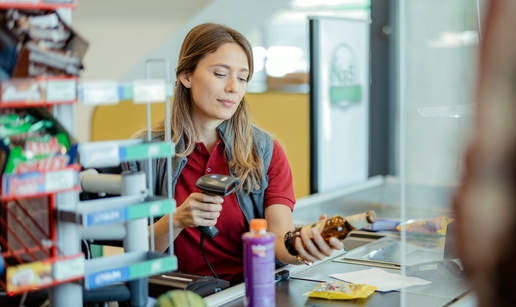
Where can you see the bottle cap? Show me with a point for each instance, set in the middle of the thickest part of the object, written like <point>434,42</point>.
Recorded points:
<point>258,224</point>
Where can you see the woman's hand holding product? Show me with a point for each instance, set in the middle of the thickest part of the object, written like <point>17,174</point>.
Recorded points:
<point>198,210</point>
<point>316,249</point>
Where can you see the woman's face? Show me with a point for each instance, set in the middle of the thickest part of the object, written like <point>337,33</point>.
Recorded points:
<point>219,83</point>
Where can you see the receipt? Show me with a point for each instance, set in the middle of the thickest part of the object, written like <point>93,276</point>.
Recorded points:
<point>384,281</point>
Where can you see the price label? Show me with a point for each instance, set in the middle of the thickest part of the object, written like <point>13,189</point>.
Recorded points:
<point>67,269</point>
<point>107,277</point>
<point>149,91</point>
<point>99,92</point>
<point>106,217</point>
<point>99,155</point>
<point>61,90</point>
<point>61,180</point>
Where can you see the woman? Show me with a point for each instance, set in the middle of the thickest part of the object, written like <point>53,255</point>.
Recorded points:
<point>212,130</point>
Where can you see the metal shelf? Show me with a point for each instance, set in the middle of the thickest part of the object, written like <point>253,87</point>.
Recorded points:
<point>105,271</point>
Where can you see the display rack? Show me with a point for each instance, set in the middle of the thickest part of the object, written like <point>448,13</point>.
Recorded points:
<point>53,258</point>
<point>40,91</point>
<point>38,4</point>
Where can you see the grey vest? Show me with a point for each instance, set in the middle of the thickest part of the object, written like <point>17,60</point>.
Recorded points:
<point>251,205</point>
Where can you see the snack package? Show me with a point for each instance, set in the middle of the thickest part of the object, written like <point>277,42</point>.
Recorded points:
<point>8,48</point>
<point>341,291</point>
<point>435,226</point>
<point>44,44</point>
<point>31,140</point>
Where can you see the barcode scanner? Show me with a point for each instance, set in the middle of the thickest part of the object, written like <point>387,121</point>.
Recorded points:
<point>216,185</point>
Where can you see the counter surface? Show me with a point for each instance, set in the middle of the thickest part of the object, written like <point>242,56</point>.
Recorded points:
<point>289,293</point>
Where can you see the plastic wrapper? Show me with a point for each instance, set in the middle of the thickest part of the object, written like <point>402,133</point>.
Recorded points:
<point>341,291</point>
<point>435,226</point>
<point>8,48</point>
<point>42,43</point>
<point>31,140</point>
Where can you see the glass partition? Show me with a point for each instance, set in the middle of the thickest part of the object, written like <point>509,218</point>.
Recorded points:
<point>437,47</point>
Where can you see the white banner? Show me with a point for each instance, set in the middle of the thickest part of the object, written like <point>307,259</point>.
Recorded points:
<point>342,102</point>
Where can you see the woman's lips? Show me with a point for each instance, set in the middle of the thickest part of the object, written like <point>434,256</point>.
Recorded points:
<point>228,103</point>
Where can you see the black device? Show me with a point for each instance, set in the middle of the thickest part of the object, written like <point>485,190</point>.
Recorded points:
<point>282,275</point>
<point>202,285</point>
<point>216,185</point>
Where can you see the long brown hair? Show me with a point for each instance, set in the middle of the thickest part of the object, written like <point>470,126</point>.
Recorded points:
<point>200,41</point>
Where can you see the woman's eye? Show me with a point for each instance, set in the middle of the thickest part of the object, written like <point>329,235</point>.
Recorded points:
<point>219,75</point>
<point>242,79</point>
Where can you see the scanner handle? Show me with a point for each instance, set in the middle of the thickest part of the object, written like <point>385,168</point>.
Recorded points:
<point>209,231</point>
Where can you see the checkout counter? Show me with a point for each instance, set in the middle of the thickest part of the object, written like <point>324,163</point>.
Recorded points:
<point>365,250</point>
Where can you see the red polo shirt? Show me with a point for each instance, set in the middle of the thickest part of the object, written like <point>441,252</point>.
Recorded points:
<point>224,252</point>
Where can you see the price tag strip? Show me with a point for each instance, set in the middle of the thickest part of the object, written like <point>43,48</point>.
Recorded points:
<point>116,215</point>
<point>149,91</point>
<point>41,91</point>
<point>99,92</point>
<point>106,154</point>
<point>45,273</point>
<point>131,266</point>
<point>34,184</point>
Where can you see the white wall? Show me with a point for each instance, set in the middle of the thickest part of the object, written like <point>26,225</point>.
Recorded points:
<point>243,16</point>
<point>120,34</point>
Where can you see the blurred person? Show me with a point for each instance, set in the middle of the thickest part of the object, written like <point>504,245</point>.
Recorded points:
<point>212,130</point>
<point>485,203</point>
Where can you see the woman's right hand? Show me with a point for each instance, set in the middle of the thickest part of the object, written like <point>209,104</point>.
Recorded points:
<point>198,210</point>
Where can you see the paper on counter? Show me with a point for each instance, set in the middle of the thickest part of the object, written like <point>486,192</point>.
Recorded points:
<point>384,281</point>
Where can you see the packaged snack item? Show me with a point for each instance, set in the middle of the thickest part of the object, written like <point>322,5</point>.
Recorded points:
<point>435,226</point>
<point>44,45</point>
<point>34,141</point>
<point>8,48</point>
<point>9,119</point>
<point>341,291</point>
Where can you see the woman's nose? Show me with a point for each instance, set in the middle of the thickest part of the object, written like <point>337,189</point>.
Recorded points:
<point>232,85</point>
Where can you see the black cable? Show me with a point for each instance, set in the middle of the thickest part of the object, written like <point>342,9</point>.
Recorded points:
<point>204,255</point>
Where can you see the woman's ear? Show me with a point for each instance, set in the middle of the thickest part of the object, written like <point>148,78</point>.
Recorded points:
<point>185,79</point>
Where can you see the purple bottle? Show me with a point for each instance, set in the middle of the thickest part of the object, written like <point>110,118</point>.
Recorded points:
<point>259,265</point>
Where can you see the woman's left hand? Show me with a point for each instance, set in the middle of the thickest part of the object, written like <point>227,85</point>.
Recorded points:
<point>316,249</point>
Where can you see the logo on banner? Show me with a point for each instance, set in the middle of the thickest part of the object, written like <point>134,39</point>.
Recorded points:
<point>344,82</point>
